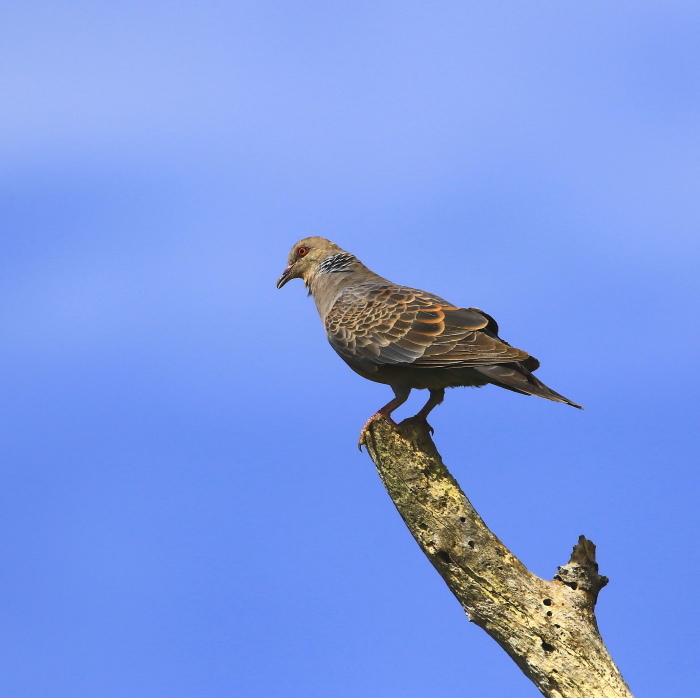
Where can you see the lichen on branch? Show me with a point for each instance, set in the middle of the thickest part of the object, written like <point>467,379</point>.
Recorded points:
<point>547,627</point>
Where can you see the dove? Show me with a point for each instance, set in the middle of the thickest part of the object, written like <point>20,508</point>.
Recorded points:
<point>404,337</point>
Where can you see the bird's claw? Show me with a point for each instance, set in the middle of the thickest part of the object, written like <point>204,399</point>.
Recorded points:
<point>424,419</point>
<point>363,439</point>
<point>365,429</point>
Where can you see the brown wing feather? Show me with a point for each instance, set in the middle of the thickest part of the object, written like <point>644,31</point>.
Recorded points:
<point>372,325</point>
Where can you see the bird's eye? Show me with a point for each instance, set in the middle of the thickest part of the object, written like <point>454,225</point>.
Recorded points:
<point>302,251</point>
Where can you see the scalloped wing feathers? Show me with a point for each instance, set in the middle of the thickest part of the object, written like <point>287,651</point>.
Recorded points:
<point>372,325</point>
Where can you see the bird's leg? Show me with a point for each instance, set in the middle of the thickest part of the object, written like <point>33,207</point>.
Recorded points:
<point>384,413</point>
<point>436,397</point>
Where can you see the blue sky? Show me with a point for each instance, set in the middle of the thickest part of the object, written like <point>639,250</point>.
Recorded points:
<point>183,510</point>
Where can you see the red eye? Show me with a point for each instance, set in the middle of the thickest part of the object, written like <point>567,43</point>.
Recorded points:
<point>302,251</point>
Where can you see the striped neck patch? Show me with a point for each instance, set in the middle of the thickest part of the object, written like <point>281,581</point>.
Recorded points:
<point>336,262</point>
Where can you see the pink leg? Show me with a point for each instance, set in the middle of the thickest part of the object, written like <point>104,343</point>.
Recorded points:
<point>436,397</point>
<point>384,413</point>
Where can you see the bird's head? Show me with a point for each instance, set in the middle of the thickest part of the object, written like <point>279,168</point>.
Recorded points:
<point>306,257</point>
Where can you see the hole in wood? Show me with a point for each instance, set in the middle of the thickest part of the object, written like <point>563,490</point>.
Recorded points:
<point>547,647</point>
<point>444,556</point>
<point>547,602</point>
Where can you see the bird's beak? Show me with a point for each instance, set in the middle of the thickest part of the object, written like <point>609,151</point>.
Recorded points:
<point>285,276</point>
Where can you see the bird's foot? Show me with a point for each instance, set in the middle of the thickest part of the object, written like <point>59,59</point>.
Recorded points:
<point>424,419</point>
<point>365,429</point>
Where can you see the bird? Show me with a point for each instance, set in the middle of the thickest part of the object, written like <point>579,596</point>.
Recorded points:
<point>404,337</point>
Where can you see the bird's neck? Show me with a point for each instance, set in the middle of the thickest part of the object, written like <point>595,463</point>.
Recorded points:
<point>333,277</point>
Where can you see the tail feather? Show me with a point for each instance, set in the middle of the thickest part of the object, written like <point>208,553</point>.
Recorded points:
<point>518,379</point>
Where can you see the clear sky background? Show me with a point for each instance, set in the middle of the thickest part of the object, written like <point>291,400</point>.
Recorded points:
<point>183,509</point>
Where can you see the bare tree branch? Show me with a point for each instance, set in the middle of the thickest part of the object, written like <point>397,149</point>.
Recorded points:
<point>547,627</point>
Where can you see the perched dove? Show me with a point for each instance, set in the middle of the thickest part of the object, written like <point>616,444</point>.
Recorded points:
<point>404,337</point>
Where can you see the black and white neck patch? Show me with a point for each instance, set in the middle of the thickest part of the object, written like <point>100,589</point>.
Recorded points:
<point>336,262</point>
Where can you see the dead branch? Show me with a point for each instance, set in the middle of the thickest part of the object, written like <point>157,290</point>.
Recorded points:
<point>547,627</point>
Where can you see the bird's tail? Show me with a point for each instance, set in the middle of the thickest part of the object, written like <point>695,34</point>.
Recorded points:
<point>515,377</point>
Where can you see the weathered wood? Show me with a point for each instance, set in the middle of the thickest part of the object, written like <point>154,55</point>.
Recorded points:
<point>547,627</point>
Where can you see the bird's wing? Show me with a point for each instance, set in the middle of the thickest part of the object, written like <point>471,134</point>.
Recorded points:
<point>372,325</point>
